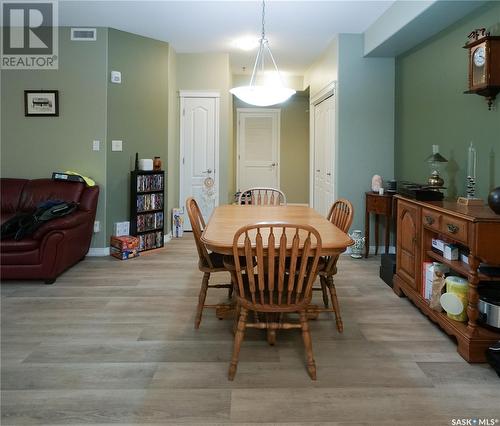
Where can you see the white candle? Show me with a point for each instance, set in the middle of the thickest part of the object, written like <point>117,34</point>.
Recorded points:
<point>381,191</point>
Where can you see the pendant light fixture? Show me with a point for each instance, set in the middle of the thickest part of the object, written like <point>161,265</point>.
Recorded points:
<point>263,95</point>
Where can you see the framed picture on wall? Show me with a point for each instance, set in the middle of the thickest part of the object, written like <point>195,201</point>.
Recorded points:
<point>41,103</point>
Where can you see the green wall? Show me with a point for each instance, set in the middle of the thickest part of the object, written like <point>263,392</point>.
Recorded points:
<point>137,114</point>
<point>294,145</point>
<point>91,108</point>
<point>365,122</point>
<point>34,147</point>
<point>432,109</point>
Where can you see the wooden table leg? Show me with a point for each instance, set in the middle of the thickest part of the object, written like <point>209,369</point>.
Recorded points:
<point>387,233</point>
<point>367,233</point>
<point>376,233</point>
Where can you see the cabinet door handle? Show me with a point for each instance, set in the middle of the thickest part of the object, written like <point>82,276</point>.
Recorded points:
<point>452,229</point>
<point>429,220</point>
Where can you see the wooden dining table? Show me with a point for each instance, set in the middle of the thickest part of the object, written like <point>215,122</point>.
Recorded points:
<point>227,219</point>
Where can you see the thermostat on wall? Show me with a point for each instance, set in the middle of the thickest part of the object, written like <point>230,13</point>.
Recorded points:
<point>116,77</point>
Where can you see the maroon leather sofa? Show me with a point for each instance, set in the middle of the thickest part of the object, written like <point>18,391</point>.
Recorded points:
<point>58,244</point>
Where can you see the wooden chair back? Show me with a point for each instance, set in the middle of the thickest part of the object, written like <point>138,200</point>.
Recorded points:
<point>341,214</point>
<point>198,225</point>
<point>280,265</point>
<point>262,196</point>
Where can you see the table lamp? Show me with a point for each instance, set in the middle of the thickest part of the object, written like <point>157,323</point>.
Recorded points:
<point>435,161</point>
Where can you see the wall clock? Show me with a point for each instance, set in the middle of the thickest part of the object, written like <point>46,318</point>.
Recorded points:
<point>484,64</point>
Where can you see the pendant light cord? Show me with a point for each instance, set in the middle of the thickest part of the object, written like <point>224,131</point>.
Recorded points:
<point>263,34</point>
<point>264,44</point>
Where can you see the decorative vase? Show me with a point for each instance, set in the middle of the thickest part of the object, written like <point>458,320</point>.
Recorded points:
<point>157,164</point>
<point>359,244</point>
<point>494,200</point>
<point>377,183</point>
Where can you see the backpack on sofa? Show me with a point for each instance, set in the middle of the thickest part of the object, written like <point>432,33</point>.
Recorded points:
<point>24,224</point>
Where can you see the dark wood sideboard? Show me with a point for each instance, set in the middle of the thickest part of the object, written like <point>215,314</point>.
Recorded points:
<point>475,227</point>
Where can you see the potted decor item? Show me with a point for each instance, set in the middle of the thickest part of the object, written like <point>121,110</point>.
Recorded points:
<point>494,200</point>
<point>359,244</point>
<point>157,164</point>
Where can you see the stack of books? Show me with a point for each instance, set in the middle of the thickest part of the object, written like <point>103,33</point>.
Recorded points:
<point>124,247</point>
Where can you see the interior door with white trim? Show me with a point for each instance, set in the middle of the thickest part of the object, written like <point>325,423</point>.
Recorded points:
<point>258,137</point>
<point>199,153</point>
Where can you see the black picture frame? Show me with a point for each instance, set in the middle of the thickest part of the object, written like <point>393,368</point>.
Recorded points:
<point>45,98</point>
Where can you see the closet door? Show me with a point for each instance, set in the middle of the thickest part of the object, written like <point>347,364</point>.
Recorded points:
<point>324,153</point>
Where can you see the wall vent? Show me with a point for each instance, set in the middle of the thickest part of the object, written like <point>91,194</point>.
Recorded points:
<point>83,34</point>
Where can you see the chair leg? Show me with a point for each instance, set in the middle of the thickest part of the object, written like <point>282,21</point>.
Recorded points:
<point>324,292</point>
<point>201,299</point>
<point>306,336</point>
<point>335,304</point>
<point>238,338</point>
<point>237,312</point>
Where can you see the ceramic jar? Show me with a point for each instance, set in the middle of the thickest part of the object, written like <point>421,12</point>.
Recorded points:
<point>359,244</point>
<point>494,200</point>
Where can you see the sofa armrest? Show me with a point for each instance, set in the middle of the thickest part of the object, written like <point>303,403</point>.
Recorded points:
<point>66,222</point>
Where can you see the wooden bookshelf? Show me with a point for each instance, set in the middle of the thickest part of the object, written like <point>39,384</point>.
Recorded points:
<point>147,208</point>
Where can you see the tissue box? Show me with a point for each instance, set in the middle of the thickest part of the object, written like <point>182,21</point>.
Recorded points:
<point>438,245</point>
<point>146,164</point>
<point>450,252</point>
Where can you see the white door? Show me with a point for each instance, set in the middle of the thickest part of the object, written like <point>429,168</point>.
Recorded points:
<point>258,135</point>
<point>324,155</point>
<point>199,134</point>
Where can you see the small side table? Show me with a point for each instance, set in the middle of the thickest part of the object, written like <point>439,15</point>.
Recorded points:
<point>380,205</point>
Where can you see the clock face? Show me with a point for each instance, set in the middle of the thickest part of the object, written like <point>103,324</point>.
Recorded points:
<point>479,57</point>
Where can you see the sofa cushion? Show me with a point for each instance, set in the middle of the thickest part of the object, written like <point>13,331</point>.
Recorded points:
<point>39,190</point>
<point>25,244</point>
<point>10,193</point>
<point>21,259</point>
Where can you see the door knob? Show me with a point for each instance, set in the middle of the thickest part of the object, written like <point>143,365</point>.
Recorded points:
<point>273,164</point>
<point>328,174</point>
<point>208,171</point>
<point>318,170</point>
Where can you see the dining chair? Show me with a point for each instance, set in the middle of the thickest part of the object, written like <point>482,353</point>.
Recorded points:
<point>208,263</point>
<point>280,266</point>
<point>341,215</point>
<point>262,196</point>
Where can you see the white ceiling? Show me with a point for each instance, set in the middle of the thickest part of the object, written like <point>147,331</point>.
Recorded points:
<point>298,31</point>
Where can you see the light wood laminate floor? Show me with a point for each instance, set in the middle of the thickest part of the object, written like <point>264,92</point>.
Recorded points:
<point>112,342</point>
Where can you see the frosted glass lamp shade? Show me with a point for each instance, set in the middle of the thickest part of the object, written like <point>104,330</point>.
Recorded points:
<point>262,95</point>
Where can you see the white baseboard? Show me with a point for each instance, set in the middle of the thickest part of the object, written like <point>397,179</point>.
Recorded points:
<point>98,251</point>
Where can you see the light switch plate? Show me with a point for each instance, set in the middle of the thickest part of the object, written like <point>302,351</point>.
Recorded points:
<point>116,146</point>
<point>116,77</point>
<point>97,226</point>
<point>96,145</point>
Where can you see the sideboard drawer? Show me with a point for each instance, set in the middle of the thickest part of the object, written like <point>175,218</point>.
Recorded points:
<point>431,219</point>
<point>454,228</point>
<point>379,205</point>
